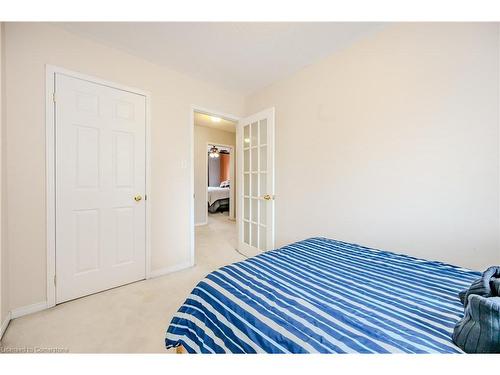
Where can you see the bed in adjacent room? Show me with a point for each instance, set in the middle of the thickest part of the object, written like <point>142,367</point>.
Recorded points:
<point>326,296</point>
<point>218,198</point>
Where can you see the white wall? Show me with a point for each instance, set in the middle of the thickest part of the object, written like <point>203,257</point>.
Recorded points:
<point>202,135</point>
<point>399,144</point>
<point>28,47</point>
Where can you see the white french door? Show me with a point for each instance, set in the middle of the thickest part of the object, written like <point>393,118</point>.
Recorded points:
<point>100,180</point>
<point>256,182</point>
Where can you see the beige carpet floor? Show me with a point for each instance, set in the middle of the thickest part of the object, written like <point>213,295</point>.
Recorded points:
<point>131,318</point>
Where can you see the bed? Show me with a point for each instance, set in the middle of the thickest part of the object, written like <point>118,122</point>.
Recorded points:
<point>218,198</point>
<point>323,296</point>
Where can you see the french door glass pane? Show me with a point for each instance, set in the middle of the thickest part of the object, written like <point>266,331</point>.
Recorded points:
<point>263,132</point>
<point>246,161</point>
<point>246,210</point>
<point>253,135</point>
<point>246,184</point>
<point>263,158</point>
<point>255,184</point>
<point>246,136</point>
<point>255,203</point>
<point>255,160</point>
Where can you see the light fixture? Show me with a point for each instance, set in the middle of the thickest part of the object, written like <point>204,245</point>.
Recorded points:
<point>214,152</point>
<point>215,119</point>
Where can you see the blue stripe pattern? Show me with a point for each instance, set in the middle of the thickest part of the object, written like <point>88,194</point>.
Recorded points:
<point>323,296</point>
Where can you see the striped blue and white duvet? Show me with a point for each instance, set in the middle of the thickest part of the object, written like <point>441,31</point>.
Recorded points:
<point>327,296</point>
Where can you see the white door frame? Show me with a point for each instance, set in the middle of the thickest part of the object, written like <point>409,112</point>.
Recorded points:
<point>50,72</point>
<point>210,112</point>
<point>231,179</point>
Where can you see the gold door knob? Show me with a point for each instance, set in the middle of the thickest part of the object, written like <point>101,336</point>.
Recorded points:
<point>137,198</point>
<point>267,197</point>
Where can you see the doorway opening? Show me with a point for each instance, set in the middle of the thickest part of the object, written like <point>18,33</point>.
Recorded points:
<point>215,233</point>
<point>220,177</point>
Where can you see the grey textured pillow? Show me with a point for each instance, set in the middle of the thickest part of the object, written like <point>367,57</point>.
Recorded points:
<point>479,330</point>
<point>486,285</point>
<point>495,287</point>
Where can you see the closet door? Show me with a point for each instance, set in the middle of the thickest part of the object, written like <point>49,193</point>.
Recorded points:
<point>100,185</point>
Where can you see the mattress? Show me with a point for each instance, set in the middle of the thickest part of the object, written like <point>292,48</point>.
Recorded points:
<point>216,193</point>
<point>323,296</point>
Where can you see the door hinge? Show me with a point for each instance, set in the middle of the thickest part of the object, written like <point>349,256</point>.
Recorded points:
<point>55,280</point>
<point>54,97</point>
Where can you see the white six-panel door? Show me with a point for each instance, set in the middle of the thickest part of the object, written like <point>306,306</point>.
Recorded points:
<point>256,182</point>
<point>100,187</point>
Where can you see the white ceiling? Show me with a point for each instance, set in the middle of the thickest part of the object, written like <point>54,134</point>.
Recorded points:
<point>201,119</point>
<point>243,57</point>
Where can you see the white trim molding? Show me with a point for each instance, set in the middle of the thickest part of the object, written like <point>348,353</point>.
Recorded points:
<point>50,74</point>
<point>201,223</point>
<point>5,324</point>
<point>30,309</point>
<point>168,270</point>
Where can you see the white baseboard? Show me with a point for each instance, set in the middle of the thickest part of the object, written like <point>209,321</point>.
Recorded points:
<point>167,270</point>
<point>30,309</point>
<point>4,325</point>
<point>200,224</point>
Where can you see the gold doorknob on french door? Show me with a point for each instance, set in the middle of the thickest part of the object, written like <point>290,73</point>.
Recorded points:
<point>137,198</point>
<point>267,197</point>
